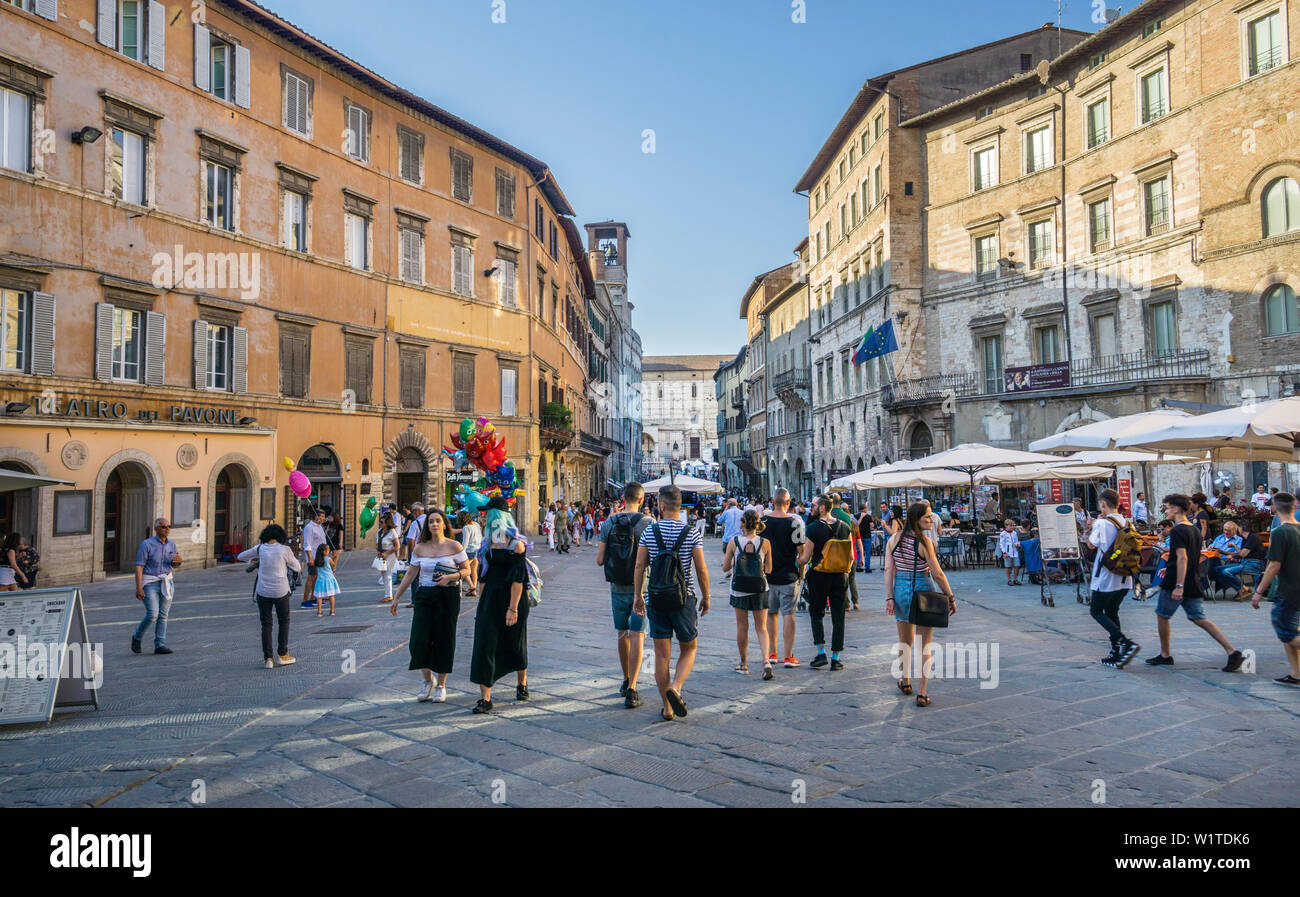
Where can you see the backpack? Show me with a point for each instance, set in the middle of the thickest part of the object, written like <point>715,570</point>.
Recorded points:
<point>620,549</point>
<point>668,589</point>
<point>837,553</point>
<point>747,575</point>
<point>1124,557</point>
<point>534,594</point>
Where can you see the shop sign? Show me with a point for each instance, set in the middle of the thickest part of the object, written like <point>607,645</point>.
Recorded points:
<point>52,405</point>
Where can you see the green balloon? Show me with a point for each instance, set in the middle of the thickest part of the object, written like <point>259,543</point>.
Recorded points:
<point>466,430</point>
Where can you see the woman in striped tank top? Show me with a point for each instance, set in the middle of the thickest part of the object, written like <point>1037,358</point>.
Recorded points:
<point>910,565</point>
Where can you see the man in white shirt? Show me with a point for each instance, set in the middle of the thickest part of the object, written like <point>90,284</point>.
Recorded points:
<point>1140,512</point>
<point>414,527</point>
<point>1261,497</point>
<point>313,537</point>
<point>1109,588</point>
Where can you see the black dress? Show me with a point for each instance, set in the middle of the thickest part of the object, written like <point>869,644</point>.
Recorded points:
<point>499,649</point>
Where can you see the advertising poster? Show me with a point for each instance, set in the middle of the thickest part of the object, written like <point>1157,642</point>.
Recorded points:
<point>1057,530</point>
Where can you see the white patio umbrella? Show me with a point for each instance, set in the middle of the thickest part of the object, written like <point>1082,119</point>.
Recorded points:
<point>898,479</point>
<point>1021,473</point>
<point>1103,434</point>
<point>1118,458</point>
<point>972,459</point>
<point>1264,431</point>
<point>686,484</point>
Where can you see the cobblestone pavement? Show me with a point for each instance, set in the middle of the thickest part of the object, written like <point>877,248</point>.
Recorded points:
<point>1055,730</point>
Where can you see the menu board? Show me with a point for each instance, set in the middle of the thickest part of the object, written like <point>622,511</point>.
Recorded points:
<point>46,659</point>
<point>1058,532</point>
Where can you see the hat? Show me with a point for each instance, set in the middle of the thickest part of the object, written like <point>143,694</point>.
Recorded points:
<point>498,504</point>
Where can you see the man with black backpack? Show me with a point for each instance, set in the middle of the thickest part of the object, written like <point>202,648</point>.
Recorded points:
<point>1119,557</point>
<point>670,555</point>
<point>828,554</point>
<point>616,551</point>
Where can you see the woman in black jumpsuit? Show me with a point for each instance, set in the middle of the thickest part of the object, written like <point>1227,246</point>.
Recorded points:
<point>501,623</point>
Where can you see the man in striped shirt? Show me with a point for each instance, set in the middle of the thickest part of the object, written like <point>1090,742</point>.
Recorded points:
<point>682,621</point>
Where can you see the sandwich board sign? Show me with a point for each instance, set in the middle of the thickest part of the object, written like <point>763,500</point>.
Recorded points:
<point>46,659</point>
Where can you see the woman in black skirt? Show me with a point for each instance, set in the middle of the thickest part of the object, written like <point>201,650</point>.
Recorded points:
<point>437,566</point>
<point>501,624</point>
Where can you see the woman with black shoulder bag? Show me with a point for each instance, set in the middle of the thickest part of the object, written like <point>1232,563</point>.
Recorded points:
<point>910,562</point>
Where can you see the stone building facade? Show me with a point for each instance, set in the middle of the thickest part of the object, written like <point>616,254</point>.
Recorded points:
<point>679,410</point>
<point>733,423</point>
<point>789,385</point>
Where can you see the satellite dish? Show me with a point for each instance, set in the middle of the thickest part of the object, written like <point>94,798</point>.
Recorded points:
<point>1113,14</point>
<point>1044,71</point>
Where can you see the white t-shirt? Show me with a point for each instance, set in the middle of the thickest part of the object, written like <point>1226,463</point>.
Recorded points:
<point>313,537</point>
<point>1102,536</point>
<point>274,561</point>
<point>1009,544</point>
<point>413,531</point>
<point>1260,499</point>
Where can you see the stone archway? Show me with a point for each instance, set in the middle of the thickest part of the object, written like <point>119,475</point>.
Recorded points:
<point>397,452</point>
<point>240,487</point>
<point>31,510</point>
<point>147,505</point>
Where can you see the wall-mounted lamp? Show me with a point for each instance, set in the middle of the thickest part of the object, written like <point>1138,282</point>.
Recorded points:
<point>86,136</point>
<point>247,421</point>
<point>16,407</point>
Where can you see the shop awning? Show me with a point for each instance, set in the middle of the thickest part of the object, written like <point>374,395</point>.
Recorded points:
<point>13,480</point>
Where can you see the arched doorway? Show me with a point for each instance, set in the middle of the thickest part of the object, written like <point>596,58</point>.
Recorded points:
<point>322,467</point>
<point>128,504</point>
<point>921,442</point>
<point>412,477</point>
<point>797,487</point>
<point>785,475</point>
<point>232,511</point>
<point>18,508</point>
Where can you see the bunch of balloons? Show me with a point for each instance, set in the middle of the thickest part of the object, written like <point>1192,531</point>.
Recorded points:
<point>478,443</point>
<point>298,482</point>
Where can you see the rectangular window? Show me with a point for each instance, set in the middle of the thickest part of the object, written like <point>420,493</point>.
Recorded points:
<point>1264,36</point>
<point>15,130</point>
<point>15,329</point>
<point>128,166</point>
<point>358,133</point>
<point>411,245</point>
<point>1098,123</point>
<point>295,362</point>
<point>991,363</point>
<point>555,241</point>
<point>507,283</point>
<point>1105,337</point>
<point>509,392</point>
<point>359,367</point>
<point>1038,149</point>
<point>462,370</point>
<point>1157,198</point>
<point>220,67</point>
<point>130,22</point>
<point>356,238</point>
<point>853,208</point>
<point>984,165</point>
<point>1164,338</point>
<point>986,257</point>
<point>297,104</point>
<point>185,506</point>
<point>505,194</point>
<point>878,126</point>
<point>1155,100</point>
<point>462,176</point>
<point>295,221</point>
<point>462,270</point>
<point>219,196</point>
<point>1281,313</point>
<point>410,147</point>
<point>217,374</point>
<point>1151,28</point>
<point>1099,232</point>
<point>411,377</point>
<point>540,223</point>
<point>878,183</point>
<point>1047,344</point>
<point>128,340</point>
<point>1040,244</point>
<point>844,220</point>
<point>1097,60</point>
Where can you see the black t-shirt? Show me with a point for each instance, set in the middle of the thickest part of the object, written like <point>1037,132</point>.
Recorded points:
<point>1253,544</point>
<point>864,527</point>
<point>1184,535</point>
<point>786,535</point>
<point>1284,547</point>
<point>819,533</point>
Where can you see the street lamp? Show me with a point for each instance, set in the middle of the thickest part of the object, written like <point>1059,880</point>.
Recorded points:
<point>672,470</point>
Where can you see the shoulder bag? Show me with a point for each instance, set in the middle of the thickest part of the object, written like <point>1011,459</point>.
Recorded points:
<point>928,608</point>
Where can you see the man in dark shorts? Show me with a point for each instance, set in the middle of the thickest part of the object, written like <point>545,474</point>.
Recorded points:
<point>630,627</point>
<point>1284,569</point>
<point>683,621</point>
<point>1183,587</point>
<point>826,591</point>
<point>785,533</point>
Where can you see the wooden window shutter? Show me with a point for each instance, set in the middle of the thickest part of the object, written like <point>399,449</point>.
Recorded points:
<point>106,22</point>
<point>202,58</point>
<point>463,382</point>
<point>243,73</point>
<point>239,360</point>
<point>103,341</point>
<point>412,376</point>
<point>200,354</point>
<point>48,9</point>
<point>155,348</point>
<point>157,35</point>
<point>43,334</point>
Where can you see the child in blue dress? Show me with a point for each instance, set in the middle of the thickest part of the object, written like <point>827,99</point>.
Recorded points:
<point>327,586</point>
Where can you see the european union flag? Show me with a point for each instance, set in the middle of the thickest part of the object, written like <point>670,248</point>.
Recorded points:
<point>876,343</point>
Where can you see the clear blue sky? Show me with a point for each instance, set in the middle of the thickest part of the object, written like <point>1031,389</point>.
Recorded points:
<point>740,99</point>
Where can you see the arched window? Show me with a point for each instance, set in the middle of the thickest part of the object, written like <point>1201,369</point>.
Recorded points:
<point>1281,207</point>
<point>1281,315</point>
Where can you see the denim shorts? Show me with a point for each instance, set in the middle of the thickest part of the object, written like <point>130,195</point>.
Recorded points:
<point>1286,621</point>
<point>680,622</point>
<point>1166,607</point>
<point>782,599</point>
<point>624,619</point>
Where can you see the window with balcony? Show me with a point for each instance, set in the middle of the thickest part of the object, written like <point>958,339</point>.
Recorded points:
<point>1041,243</point>
<point>1164,334</point>
<point>1098,122</point>
<point>1038,149</point>
<point>986,257</point>
<point>1047,344</point>
<point>984,168</point>
<point>1155,95</point>
<point>1264,43</point>
<point>1281,316</point>
<point>1105,335</point>
<point>1281,203</point>
<point>1099,229</point>
<point>1157,204</point>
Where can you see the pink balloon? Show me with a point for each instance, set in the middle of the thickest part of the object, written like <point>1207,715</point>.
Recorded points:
<point>299,483</point>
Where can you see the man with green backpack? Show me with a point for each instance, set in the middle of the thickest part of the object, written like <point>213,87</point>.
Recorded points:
<point>616,551</point>
<point>1119,558</point>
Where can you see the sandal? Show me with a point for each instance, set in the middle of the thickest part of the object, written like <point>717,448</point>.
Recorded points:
<point>666,717</point>
<point>922,700</point>
<point>742,669</point>
<point>675,702</point>
<point>904,686</point>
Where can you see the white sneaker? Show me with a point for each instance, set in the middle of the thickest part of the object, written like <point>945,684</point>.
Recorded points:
<point>424,695</point>
<point>270,664</point>
<point>440,694</point>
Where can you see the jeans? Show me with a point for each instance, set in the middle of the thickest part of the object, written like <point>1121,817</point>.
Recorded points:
<point>1226,576</point>
<point>156,608</point>
<point>281,607</point>
<point>1105,610</point>
<point>853,585</point>
<point>819,598</point>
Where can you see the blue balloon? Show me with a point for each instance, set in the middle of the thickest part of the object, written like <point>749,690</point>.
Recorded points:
<point>460,460</point>
<point>505,475</point>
